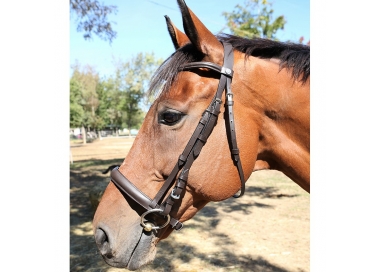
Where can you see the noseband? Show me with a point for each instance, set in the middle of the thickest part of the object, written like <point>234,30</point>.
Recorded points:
<point>191,151</point>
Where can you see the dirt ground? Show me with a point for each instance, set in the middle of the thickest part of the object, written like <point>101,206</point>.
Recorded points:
<point>268,229</point>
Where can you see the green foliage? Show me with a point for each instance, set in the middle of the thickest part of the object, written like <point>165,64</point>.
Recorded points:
<point>76,104</point>
<point>88,80</point>
<point>104,90</point>
<point>132,79</point>
<point>254,20</point>
<point>92,18</point>
<point>117,101</point>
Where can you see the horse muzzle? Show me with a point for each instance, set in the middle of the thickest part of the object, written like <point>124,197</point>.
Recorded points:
<point>122,253</point>
<point>119,235</point>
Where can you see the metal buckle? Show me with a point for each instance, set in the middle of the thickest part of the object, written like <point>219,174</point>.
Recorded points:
<point>227,71</point>
<point>174,196</point>
<point>178,228</point>
<point>150,226</point>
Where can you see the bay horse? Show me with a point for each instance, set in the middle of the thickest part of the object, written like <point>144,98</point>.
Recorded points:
<point>191,150</point>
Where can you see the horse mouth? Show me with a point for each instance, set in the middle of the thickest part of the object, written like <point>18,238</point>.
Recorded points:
<point>122,253</point>
<point>143,253</point>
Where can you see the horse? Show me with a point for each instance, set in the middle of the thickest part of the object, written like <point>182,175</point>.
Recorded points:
<point>197,145</point>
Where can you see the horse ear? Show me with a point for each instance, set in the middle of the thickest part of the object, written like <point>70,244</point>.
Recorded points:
<point>200,36</point>
<point>178,37</point>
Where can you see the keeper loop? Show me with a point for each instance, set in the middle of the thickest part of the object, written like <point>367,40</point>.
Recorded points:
<point>235,151</point>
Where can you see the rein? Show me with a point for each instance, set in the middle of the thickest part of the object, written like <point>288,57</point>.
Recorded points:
<point>191,151</point>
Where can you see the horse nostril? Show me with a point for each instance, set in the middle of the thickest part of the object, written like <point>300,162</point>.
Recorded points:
<point>102,242</point>
<point>100,236</point>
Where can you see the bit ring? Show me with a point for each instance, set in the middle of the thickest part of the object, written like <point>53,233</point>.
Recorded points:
<point>149,226</point>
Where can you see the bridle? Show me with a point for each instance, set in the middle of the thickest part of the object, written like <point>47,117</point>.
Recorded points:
<point>191,151</point>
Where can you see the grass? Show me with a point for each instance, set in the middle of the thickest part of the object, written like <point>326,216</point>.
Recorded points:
<point>96,164</point>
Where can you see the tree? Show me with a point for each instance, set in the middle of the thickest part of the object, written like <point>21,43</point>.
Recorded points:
<point>92,19</point>
<point>132,79</point>
<point>110,101</point>
<point>87,79</point>
<point>254,20</point>
<point>76,104</point>
<point>103,90</point>
<point>117,101</point>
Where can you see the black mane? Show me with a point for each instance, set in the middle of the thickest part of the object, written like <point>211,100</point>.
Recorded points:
<point>291,55</point>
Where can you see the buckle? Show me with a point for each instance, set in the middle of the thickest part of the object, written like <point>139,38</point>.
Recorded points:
<point>173,195</point>
<point>227,71</point>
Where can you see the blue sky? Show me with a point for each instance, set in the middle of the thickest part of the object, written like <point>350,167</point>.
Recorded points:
<point>141,27</point>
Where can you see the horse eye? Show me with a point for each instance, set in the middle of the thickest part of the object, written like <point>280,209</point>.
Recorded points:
<point>170,118</point>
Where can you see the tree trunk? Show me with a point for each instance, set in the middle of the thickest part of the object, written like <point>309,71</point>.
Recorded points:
<point>84,135</point>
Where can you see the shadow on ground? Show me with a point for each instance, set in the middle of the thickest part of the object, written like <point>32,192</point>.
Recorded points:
<point>84,255</point>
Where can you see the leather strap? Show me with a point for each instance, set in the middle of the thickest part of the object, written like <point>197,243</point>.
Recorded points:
<point>231,127</point>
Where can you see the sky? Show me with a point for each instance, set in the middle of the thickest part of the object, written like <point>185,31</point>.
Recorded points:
<point>141,28</point>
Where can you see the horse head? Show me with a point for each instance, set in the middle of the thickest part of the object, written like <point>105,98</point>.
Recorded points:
<point>185,154</point>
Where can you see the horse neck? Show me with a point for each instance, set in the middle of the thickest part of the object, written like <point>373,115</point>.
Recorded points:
<point>280,110</point>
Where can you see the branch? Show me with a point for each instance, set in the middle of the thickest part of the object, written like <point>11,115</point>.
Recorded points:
<point>92,19</point>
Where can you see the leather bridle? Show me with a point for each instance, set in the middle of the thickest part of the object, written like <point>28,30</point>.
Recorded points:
<point>193,148</point>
